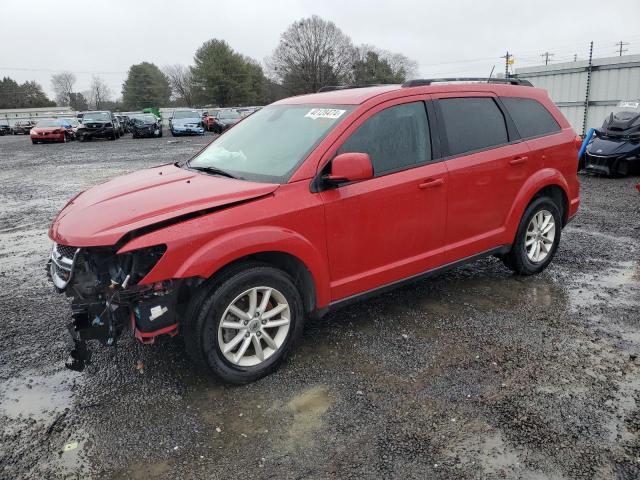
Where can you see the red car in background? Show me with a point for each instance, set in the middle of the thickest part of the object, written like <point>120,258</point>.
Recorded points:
<point>52,130</point>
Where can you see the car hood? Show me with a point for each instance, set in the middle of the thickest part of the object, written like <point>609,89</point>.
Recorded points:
<point>46,129</point>
<point>103,214</point>
<point>183,121</point>
<point>612,147</point>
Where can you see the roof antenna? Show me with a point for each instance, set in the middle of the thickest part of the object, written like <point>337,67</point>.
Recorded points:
<point>491,74</point>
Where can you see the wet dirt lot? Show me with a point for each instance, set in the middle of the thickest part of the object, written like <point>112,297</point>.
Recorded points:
<point>472,374</point>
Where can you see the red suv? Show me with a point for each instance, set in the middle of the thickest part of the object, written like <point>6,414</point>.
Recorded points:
<point>311,203</point>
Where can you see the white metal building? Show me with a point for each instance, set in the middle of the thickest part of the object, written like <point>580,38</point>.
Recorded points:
<point>613,79</point>
<point>15,114</point>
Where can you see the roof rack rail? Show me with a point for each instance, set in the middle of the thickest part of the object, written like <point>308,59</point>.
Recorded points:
<point>428,81</point>
<point>331,88</point>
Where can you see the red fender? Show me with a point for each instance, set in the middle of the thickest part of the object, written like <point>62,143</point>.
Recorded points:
<point>206,259</point>
<point>536,182</point>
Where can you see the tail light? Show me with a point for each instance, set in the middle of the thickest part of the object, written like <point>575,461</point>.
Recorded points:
<point>578,142</point>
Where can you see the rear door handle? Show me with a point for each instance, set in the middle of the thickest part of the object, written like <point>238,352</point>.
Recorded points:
<point>518,160</point>
<point>435,182</point>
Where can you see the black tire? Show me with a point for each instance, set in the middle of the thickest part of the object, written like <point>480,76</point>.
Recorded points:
<point>33,141</point>
<point>209,304</point>
<point>173,134</point>
<point>160,134</point>
<point>517,259</point>
<point>113,136</point>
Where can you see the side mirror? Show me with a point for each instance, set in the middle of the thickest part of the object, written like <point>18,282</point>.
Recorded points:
<point>350,167</point>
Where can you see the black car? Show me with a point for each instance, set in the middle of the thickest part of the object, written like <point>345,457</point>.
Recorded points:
<point>615,148</point>
<point>224,119</point>
<point>125,123</point>
<point>100,124</point>
<point>146,125</point>
<point>5,129</point>
<point>23,128</point>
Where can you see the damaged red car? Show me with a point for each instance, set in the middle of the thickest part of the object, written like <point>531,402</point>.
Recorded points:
<point>47,130</point>
<point>309,204</point>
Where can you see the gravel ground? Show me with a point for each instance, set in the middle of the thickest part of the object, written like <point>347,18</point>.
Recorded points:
<point>473,374</point>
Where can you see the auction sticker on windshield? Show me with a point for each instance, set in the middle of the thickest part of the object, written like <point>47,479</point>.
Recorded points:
<point>324,113</point>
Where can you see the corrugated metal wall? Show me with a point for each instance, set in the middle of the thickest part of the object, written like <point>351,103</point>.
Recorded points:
<point>612,79</point>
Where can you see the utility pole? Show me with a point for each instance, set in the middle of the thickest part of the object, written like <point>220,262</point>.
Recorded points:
<point>575,57</point>
<point>588,90</point>
<point>622,44</point>
<point>546,56</point>
<point>508,60</point>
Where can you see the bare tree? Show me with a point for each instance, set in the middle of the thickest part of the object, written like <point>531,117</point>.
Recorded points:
<point>99,93</point>
<point>400,67</point>
<point>62,84</point>
<point>402,64</point>
<point>312,53</point>
<point>181,82</point>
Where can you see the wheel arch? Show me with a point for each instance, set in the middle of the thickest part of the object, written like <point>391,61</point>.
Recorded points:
<point>292,265</point>
<point>547,182</point>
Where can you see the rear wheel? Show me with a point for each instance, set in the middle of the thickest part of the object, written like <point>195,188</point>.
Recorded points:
<point>244,324</point>
<point>537,238</point>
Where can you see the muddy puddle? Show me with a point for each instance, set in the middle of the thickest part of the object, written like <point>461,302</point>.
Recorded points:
<point>619,283</point>
<point>36,396</point>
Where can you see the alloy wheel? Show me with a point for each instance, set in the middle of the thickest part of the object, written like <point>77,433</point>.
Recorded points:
<point>541,232</point>
<point>254,326</point>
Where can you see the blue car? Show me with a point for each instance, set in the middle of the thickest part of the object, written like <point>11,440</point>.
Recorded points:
<point>186,122</point>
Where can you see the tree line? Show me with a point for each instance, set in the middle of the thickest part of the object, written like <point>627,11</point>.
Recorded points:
<point>311,53</point>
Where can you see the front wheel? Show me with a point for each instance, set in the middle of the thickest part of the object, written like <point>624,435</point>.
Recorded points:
<point>244,324</point>
<point>537,238</point>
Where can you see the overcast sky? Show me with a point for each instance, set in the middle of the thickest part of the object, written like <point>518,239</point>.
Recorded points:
<point>40,37</point>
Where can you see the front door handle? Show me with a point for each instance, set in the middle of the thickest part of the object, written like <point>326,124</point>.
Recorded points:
<point>433,182</point>
<point>518,160</point>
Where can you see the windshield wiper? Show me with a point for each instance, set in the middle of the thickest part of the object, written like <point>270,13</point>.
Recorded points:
<point>214,171</point>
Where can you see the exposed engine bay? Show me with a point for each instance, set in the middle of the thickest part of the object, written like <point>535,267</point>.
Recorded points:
<point>106,297</point>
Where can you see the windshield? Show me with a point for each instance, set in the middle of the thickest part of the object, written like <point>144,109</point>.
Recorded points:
<point>270,144</point>
<point>48,122</point>
<point>144,119</point>
<point>186,114</point>
<point>96,117</point>
<point>229,115</point>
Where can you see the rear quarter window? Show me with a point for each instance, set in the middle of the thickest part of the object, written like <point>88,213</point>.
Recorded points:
<point>532,119</point>
<point>472,123</point>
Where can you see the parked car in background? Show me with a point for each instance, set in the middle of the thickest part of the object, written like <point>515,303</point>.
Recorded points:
<point>312,203</point>
<point>74,122</point>
<point>208,119</point>
<point>118,126</point>
<point>5,128</point>
<point>186,122</point>
<point>146,125</point>
<point>615,148</point>
<point>224,119</point>
<point>47,130</point>
<point>125,122</point>
<point>23,127</point>
<point>97,124</point>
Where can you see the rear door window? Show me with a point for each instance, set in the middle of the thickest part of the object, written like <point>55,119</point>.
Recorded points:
<point>532,119</point>
<point>472,123</point>
<point>395,138</point>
